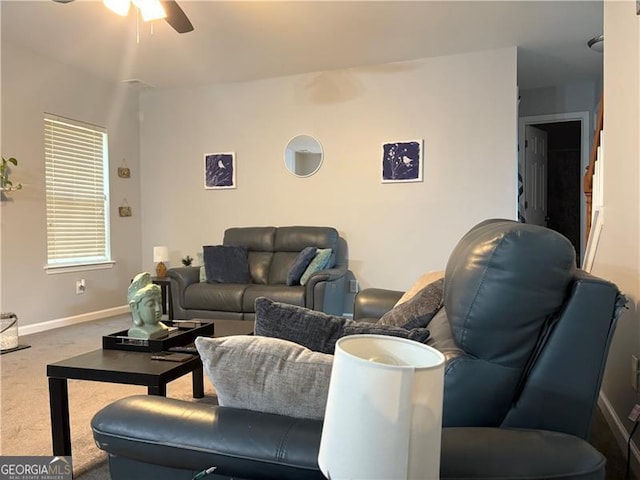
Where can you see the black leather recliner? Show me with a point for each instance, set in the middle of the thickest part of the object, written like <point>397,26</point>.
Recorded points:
<point>525,335</point>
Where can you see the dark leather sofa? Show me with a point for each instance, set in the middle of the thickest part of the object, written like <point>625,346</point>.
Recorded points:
<point>271,252</point>
<point>525,335</point>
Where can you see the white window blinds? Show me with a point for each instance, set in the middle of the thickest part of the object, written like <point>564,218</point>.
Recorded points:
<point>76,171</point>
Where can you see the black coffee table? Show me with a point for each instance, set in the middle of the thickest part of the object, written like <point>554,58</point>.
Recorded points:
<point>113,366</point>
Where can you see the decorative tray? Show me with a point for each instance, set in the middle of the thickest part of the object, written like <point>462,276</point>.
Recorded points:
<point>182,332</point>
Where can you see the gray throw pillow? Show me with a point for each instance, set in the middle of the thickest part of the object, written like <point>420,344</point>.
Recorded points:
<point>365,328</point>
<point>226,264</point>
<point>300,264</point>
<point>315,330</point>
<point>417,311</point>
<point>267,375</point>
<point>319,331</point>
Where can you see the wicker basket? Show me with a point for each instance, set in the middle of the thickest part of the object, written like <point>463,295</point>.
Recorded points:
<point>8,331</point>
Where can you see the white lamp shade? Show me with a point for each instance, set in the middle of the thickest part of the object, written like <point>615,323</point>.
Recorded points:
<point>384,410</point>
<point>160,254</point>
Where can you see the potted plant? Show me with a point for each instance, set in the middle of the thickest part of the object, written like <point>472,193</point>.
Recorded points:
<point>5,183</point>
<point>186,261</point>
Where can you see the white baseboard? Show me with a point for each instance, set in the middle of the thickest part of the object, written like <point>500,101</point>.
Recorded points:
<point>619,431</point>
<point>65,322</point>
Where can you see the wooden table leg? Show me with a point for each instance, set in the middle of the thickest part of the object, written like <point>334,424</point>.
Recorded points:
<point>197,380</point>
<point>59,406</point>
<point>159,390</point>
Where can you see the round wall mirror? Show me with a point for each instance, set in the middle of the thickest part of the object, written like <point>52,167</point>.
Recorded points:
<point>303,155</point>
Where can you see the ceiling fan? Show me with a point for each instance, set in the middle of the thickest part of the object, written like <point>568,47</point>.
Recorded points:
<point>151,10</point>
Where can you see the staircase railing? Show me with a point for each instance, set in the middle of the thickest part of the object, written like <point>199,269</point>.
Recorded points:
<point>592,170</point>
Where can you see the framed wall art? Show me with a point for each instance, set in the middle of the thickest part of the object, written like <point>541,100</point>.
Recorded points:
<point>402,161</point>
<point>219,171</point>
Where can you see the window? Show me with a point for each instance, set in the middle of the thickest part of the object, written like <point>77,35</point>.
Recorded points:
<point>77,194</point>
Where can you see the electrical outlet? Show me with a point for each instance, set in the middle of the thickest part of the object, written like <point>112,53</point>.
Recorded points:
<point>353,286</point>
<point>634,372</point>
<point>81,286</point>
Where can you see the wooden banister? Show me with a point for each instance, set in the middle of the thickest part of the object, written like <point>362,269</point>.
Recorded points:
<point>588,176</point>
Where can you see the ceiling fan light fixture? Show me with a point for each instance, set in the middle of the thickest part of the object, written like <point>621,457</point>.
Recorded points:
<point>121,7</point>
<point>150,9</point>
<point>596,43</point>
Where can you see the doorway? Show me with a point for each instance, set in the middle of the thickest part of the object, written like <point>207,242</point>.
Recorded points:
<point>566,155</point>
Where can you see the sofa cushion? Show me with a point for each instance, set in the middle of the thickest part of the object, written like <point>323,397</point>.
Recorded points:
<point>258,239</point>
<point>226,264</point>
<point>267,374</point>
<point>222,297</point>
<point>319,262</point>
<point>294,239</point>
<point>419,310</point>
<point>300,264</point>
<point>319,331</point>
<point>293,295</point>
<point>280,266</point>
<point>259,266</point>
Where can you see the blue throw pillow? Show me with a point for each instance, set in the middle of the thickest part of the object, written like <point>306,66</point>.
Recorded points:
<point>300,264</point>
<point>226,264</point>
<point>319,262</point>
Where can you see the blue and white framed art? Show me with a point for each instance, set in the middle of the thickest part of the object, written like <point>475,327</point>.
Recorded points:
<point>402,161</point>
<point>219,170</point>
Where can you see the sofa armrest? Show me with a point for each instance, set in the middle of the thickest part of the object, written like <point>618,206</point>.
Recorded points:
<point>328,275</point>
<point>195,436</point>
<point>373,303</point>
<point>181,278</point>
<point>325,290</point>
<point>190,437</point>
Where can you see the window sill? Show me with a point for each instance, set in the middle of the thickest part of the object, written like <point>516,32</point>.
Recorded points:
<point>81,267</point>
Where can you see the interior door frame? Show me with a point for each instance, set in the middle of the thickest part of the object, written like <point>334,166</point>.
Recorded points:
<point>585,136</point>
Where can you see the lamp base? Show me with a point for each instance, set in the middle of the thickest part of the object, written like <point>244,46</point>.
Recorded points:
<point>161,270</point>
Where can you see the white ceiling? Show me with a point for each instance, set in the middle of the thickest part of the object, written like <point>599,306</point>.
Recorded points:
<point>239,40</point>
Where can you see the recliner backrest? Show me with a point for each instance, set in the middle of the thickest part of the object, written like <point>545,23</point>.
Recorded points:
<point>504,281</point>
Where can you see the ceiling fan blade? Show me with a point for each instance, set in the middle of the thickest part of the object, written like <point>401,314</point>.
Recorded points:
<point>176,17</point>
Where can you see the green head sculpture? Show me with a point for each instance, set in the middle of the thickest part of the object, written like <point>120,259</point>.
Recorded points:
<point>145,302</point>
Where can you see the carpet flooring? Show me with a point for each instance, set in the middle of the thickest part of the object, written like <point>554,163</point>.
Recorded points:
<point>25,427</point>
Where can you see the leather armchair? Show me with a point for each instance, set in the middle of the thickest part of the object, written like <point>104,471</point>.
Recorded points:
<point>525,334</point>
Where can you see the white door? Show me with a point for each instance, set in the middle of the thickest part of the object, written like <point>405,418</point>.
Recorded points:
<point>535,178</point>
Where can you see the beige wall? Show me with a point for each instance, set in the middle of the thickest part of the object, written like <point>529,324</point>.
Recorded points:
<point>464,107</point>
<point>618,256</point>
<point>32,85</point>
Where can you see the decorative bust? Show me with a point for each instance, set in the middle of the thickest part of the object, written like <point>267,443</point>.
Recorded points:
<point>145,303</point>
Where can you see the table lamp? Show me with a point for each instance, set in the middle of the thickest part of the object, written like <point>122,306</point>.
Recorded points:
<point>161,255</point>
<point>384,410</point>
